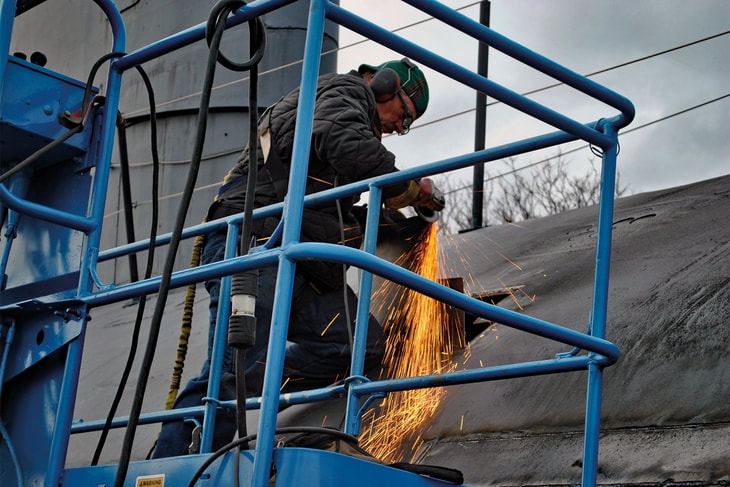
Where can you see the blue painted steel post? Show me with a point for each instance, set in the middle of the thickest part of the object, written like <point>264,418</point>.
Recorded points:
<point>7,17</point>
<point>219,345</point>
<point>292,215</point>
<point>593,425</point>
<point>72,370</point>
<point>605,228</point>
<point>104,150</point>
<point>600,308</point>
<point>66,395</point>
<point>357,367</point>
<point>64,413</point>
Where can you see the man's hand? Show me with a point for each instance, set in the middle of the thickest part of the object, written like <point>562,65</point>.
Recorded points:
<point>430,196</point>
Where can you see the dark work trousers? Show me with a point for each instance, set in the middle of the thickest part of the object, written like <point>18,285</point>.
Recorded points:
<point>317,352</point>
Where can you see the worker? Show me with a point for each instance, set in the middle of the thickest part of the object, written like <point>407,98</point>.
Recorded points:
<point>352,111</point>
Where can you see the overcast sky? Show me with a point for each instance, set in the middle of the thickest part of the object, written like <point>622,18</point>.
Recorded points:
<point>585,36</point>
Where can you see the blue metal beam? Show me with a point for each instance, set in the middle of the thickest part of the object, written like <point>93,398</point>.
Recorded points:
<point>423,170</point>
<point>292,229</point>
<point>529,57</point>
<point>196,34</point>
<point>390,271</point>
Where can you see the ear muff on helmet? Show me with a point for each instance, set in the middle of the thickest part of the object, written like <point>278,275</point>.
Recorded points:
<point>385,83</point>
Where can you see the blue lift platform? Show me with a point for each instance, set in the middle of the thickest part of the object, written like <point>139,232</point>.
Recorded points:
<point>53,187</point>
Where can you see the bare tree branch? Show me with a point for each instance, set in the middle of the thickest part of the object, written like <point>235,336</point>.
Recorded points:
<point>546,190</point>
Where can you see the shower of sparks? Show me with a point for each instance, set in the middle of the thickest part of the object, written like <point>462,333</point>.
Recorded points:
<point>422,337</point>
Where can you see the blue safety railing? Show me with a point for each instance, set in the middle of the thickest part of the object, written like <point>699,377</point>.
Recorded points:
<point>601,133</point>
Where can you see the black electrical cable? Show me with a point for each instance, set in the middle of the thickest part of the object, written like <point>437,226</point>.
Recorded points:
<point>148,270</point>
<point>128,7</point>
<point>166,276</point>
<point>69,118</point>
<point>588,75</point>
<point>256,28</point>
<point>242,327</point>
<point>40,152</point>
<point>345,300</point>
<point>127,194</point>
<point>242,324</point>
<point>249,279</point>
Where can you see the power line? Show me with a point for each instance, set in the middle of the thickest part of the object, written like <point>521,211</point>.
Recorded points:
<point>628,63</point>
<point>527,93</point>
<point>585,146</point>
<point>527,166</point>
<point>605,70</point>
<point>624,132</point>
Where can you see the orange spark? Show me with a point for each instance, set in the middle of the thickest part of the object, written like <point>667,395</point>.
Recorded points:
<point>510,261</point>
<point>329,324</point>
<point>320,180</point>
<point>422,335</point>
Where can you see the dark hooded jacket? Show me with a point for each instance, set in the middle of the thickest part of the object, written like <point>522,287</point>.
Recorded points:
<point>345,147</point>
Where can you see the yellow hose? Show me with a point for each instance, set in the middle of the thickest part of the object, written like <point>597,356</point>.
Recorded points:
<point>185,327</point>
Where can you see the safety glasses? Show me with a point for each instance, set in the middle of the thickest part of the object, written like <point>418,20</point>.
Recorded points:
<point>408,117</point>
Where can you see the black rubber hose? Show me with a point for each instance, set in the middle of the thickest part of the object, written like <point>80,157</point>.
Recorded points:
<point>257,30</point>
<point>176,235</point>
<point>242,328</point>
<point>166,275</point>
<point>148,269</point>
<point>127,192</point>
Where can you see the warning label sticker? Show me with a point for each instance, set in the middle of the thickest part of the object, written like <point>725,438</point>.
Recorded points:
<point>157,480</point>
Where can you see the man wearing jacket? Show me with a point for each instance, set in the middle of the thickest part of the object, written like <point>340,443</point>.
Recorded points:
<point>352,112</point>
